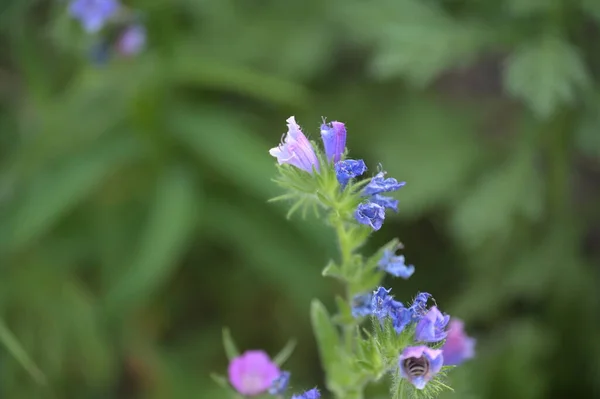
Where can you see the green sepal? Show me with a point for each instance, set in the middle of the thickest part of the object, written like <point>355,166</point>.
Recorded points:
<point>285,353</point>
<point>230,348</point>
<point>333,270</point>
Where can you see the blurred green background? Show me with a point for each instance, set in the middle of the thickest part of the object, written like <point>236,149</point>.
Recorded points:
<point>133,213</point>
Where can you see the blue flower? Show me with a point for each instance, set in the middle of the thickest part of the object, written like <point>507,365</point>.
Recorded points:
<point>280,384</point>
<point>334,140</point>
<point>419,364</point>
<point>395,265</point>
<point>419,305</point>
<point>362,305</point>
<point>310,394</point>
<point>431,326</point>
<point>349,169</point>
<point>295,149</point>
<point>386,202</point>
<point>370,214</point>
<point>93,14</point>
<point>384,306</point>
<point>379,185</point>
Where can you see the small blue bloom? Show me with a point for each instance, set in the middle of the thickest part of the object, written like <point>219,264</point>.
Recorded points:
<point>419,364</point>
<point>379,184</point>
<point>384,306</point>
<point>370,214</point>
<point>419,305</point>
<point>349,169</point>
<point>310,394</point>
<point>93,14</point>
<point>295,149</point>
<point>280,384</point>
<point>431,327</point>
<point>334,140</point>
<point>132,40</point>
<point>395,265</point>
<point>362,305</point>
<point>386,202</point>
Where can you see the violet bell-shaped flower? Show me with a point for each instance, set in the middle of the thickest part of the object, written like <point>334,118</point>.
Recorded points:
<point>295,149</point>
<point>458,346</point>
<point>431,327</point>
<point>334,140</point>
<point>419,364</point>
<point>252,373</point>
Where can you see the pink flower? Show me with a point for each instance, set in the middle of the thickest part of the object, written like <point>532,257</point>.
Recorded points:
<point>252,373</point>
<point>458,346</point>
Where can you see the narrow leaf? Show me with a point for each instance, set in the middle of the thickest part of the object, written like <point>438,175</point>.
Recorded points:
<point>285,353</point>
<point>14,347</point>
<point>231,349</point>
<point>326,334</point>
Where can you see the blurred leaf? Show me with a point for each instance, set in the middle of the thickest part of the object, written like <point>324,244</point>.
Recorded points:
<point>14,347</point>
<point>523,8</point>
<point>587,135</point>
<point>55,192</point>
<point>285,353</point>
<point>422,42</point>
<point>546,73</point>
<point>231,349</point>
<point>220,380</point>
<point>489,210</point>
<point>171,220</point>
<point>327,337</point>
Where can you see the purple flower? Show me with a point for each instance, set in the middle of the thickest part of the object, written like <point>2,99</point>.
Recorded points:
<point>362,305</point>
<point>386,202</point>
<point>93,14</point>
<point>252,373</point>
<point>370,214</point>
<point>458,346</point>
<point>384,306</point>
<point>418,309</point>
<point>334,140</point>
<point>349,169</point>
<point>280,384</point>
<point>431,326</point>
<point>419,364</point>
<point>395,265</point>
<point>310,394</point>
<point>295,149</point>
<point>379,185</point>
<point>132,40</point>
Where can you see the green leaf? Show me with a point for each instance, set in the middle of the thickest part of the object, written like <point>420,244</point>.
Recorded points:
<point>422,42</point>
<point>326,334</point>
<point>333,270</point>
<point>14,347</point>
<point>173,215</point>
<point>220,380</point>
<point>55,192</point>
<point>231,349</point>
<point>546,73</point>
<point>285,353</point>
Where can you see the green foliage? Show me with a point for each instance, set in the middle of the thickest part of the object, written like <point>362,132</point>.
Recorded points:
<point>134,220</point>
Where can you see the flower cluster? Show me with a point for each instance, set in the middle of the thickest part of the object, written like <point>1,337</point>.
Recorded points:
<point>412,341</point>
<point>296,150</point>
<point>254,373</point>
<point>126,36</point>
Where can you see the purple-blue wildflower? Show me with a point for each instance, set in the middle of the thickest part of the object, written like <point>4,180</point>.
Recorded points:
<point>395,265</point>
<point>370,214</point>
<point>458,346</point>
<point>349,169</point>
<point>419,364</point>
<point>362,305</point>
<point>386,202</point>
<point>132,40</point>
<point>280,384</point>
<point>93,14</point>
<point>419,305</point>
<point>295,149</point>
<point>384,306</point>
<point>310,394</point>
<point>334,140</point>
<point>379,184</point>
<point>431,327</point>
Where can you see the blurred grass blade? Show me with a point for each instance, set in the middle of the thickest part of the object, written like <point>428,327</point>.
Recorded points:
<point>14,347</point>
<point>231,349</point>
<point>173,215</point>
<point>285,353</point>
<point>220,380</point>
<point>54,193</point>
<point>326,335</point>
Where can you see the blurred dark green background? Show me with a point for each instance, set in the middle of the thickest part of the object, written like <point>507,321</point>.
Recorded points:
<point>133,213</point>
